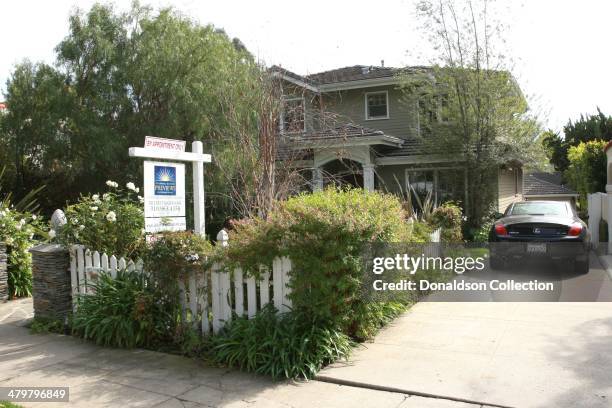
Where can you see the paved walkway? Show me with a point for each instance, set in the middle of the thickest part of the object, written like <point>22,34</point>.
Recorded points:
<point>555,354</point>
<point>102,377</point>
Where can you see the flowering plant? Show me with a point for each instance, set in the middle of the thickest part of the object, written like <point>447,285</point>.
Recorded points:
<point>18,231</point>
<point>112,222</point>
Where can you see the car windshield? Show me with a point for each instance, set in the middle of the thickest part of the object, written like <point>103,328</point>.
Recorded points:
<point>539,208</point>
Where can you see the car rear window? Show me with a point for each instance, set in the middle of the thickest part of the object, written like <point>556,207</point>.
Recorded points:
<point>539,208</point>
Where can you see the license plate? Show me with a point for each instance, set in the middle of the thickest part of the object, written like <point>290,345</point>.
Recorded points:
<point>536,248</point>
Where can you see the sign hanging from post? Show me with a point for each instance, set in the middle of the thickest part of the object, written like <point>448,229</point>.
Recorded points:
<point>164,184</point>
<point>164,196</point>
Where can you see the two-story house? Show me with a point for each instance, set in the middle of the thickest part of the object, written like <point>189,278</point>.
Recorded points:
<point>353,125</point>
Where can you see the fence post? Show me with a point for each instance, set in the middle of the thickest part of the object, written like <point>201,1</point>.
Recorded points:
<point>608,198</point>
<point>594,207</point>
<point>219,288</point>
<point>3,273</point>
<point>51,283</point>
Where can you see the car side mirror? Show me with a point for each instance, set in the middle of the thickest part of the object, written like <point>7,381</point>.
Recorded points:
<point>498,215</point>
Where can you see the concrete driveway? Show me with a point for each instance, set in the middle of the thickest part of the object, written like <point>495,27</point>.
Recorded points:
<point>511,354</point>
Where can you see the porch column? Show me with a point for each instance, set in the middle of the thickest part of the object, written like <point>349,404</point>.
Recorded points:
<point>368,177</point>
<point>317,179</point>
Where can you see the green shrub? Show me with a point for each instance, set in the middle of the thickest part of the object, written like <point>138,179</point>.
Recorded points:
<point>448,216</point>
<point>325,235</point>
<point>112,222</point>
<point>124,312</point>
<point>18,231</point>
<point>174,254</point>
<point>280,345</point>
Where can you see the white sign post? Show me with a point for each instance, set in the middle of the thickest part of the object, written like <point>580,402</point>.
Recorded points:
<point>164,184</point>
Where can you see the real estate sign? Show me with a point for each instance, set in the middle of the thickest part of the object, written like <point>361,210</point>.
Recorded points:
<point>164,196</point>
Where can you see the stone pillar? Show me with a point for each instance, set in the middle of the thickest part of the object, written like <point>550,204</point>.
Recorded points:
<point>368,177</point>
<point>3,273</point>
<point>317,179</point>
<point>51,288</point>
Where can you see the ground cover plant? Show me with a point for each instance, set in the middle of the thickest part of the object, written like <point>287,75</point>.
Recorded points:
<point>286,345</point>
<point>125,311</point>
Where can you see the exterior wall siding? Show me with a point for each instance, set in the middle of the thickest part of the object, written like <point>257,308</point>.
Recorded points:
<point>350,106</point>
<point>509,187</point>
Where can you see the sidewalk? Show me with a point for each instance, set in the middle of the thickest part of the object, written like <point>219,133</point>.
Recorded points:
<point>102,377</point>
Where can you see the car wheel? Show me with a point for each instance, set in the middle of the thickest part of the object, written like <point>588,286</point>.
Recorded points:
<point>581,266</point>
<point>496,262</point>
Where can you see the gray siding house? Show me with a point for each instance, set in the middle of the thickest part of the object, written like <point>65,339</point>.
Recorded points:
<point>352,126</point>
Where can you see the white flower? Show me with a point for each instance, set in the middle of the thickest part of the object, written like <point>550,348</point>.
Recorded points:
<point>94,208</point>
<point>34,216</point>
<point>192,257</point>
<point>9,241</point>
<point>81,227</point>
<point>141,199</point>
<point>106,197</point>
<point>96,199</point>
<point>22,221</point>
<point>18,227</point>
<point>111,216</point>
<point>131,186</point>
<point>75,221</point>
<point>137,190</point>
<point>51,234</point>
<point>111,183</point>
<point>143,231</point>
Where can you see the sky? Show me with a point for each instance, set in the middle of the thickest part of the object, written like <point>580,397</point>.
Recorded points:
<point>559,49</point>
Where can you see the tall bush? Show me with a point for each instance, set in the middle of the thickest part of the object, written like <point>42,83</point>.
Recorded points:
<point>325,234</point>
<point>586,172</point>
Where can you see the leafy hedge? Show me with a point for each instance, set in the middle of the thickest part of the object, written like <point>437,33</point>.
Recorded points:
<point>325,235</point>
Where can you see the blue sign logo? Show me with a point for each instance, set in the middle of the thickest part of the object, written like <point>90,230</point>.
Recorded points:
<point>165,180</point>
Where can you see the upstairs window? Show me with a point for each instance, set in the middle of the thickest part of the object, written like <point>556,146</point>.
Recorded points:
<point>377,105</point>
<point>292,116</point>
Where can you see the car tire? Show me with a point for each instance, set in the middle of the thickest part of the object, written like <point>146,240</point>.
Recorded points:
<point>581,266</point>
<point>496,262</point>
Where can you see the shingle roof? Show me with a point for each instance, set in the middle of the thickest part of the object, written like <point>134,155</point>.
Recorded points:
<point>347,130</point>
<point>412,147</point>
<point>354,73</point>
<point>536,184</point>
<point>347,74</point>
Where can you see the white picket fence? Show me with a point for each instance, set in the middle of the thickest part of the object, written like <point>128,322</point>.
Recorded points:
<point>208,298</point>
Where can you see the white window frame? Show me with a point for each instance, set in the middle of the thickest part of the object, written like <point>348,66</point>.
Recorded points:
<point>366,105</point>
<point>282,114</point>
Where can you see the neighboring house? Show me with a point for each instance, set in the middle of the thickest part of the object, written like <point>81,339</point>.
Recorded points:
<point>352,125</point>
<point>548,186</point>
